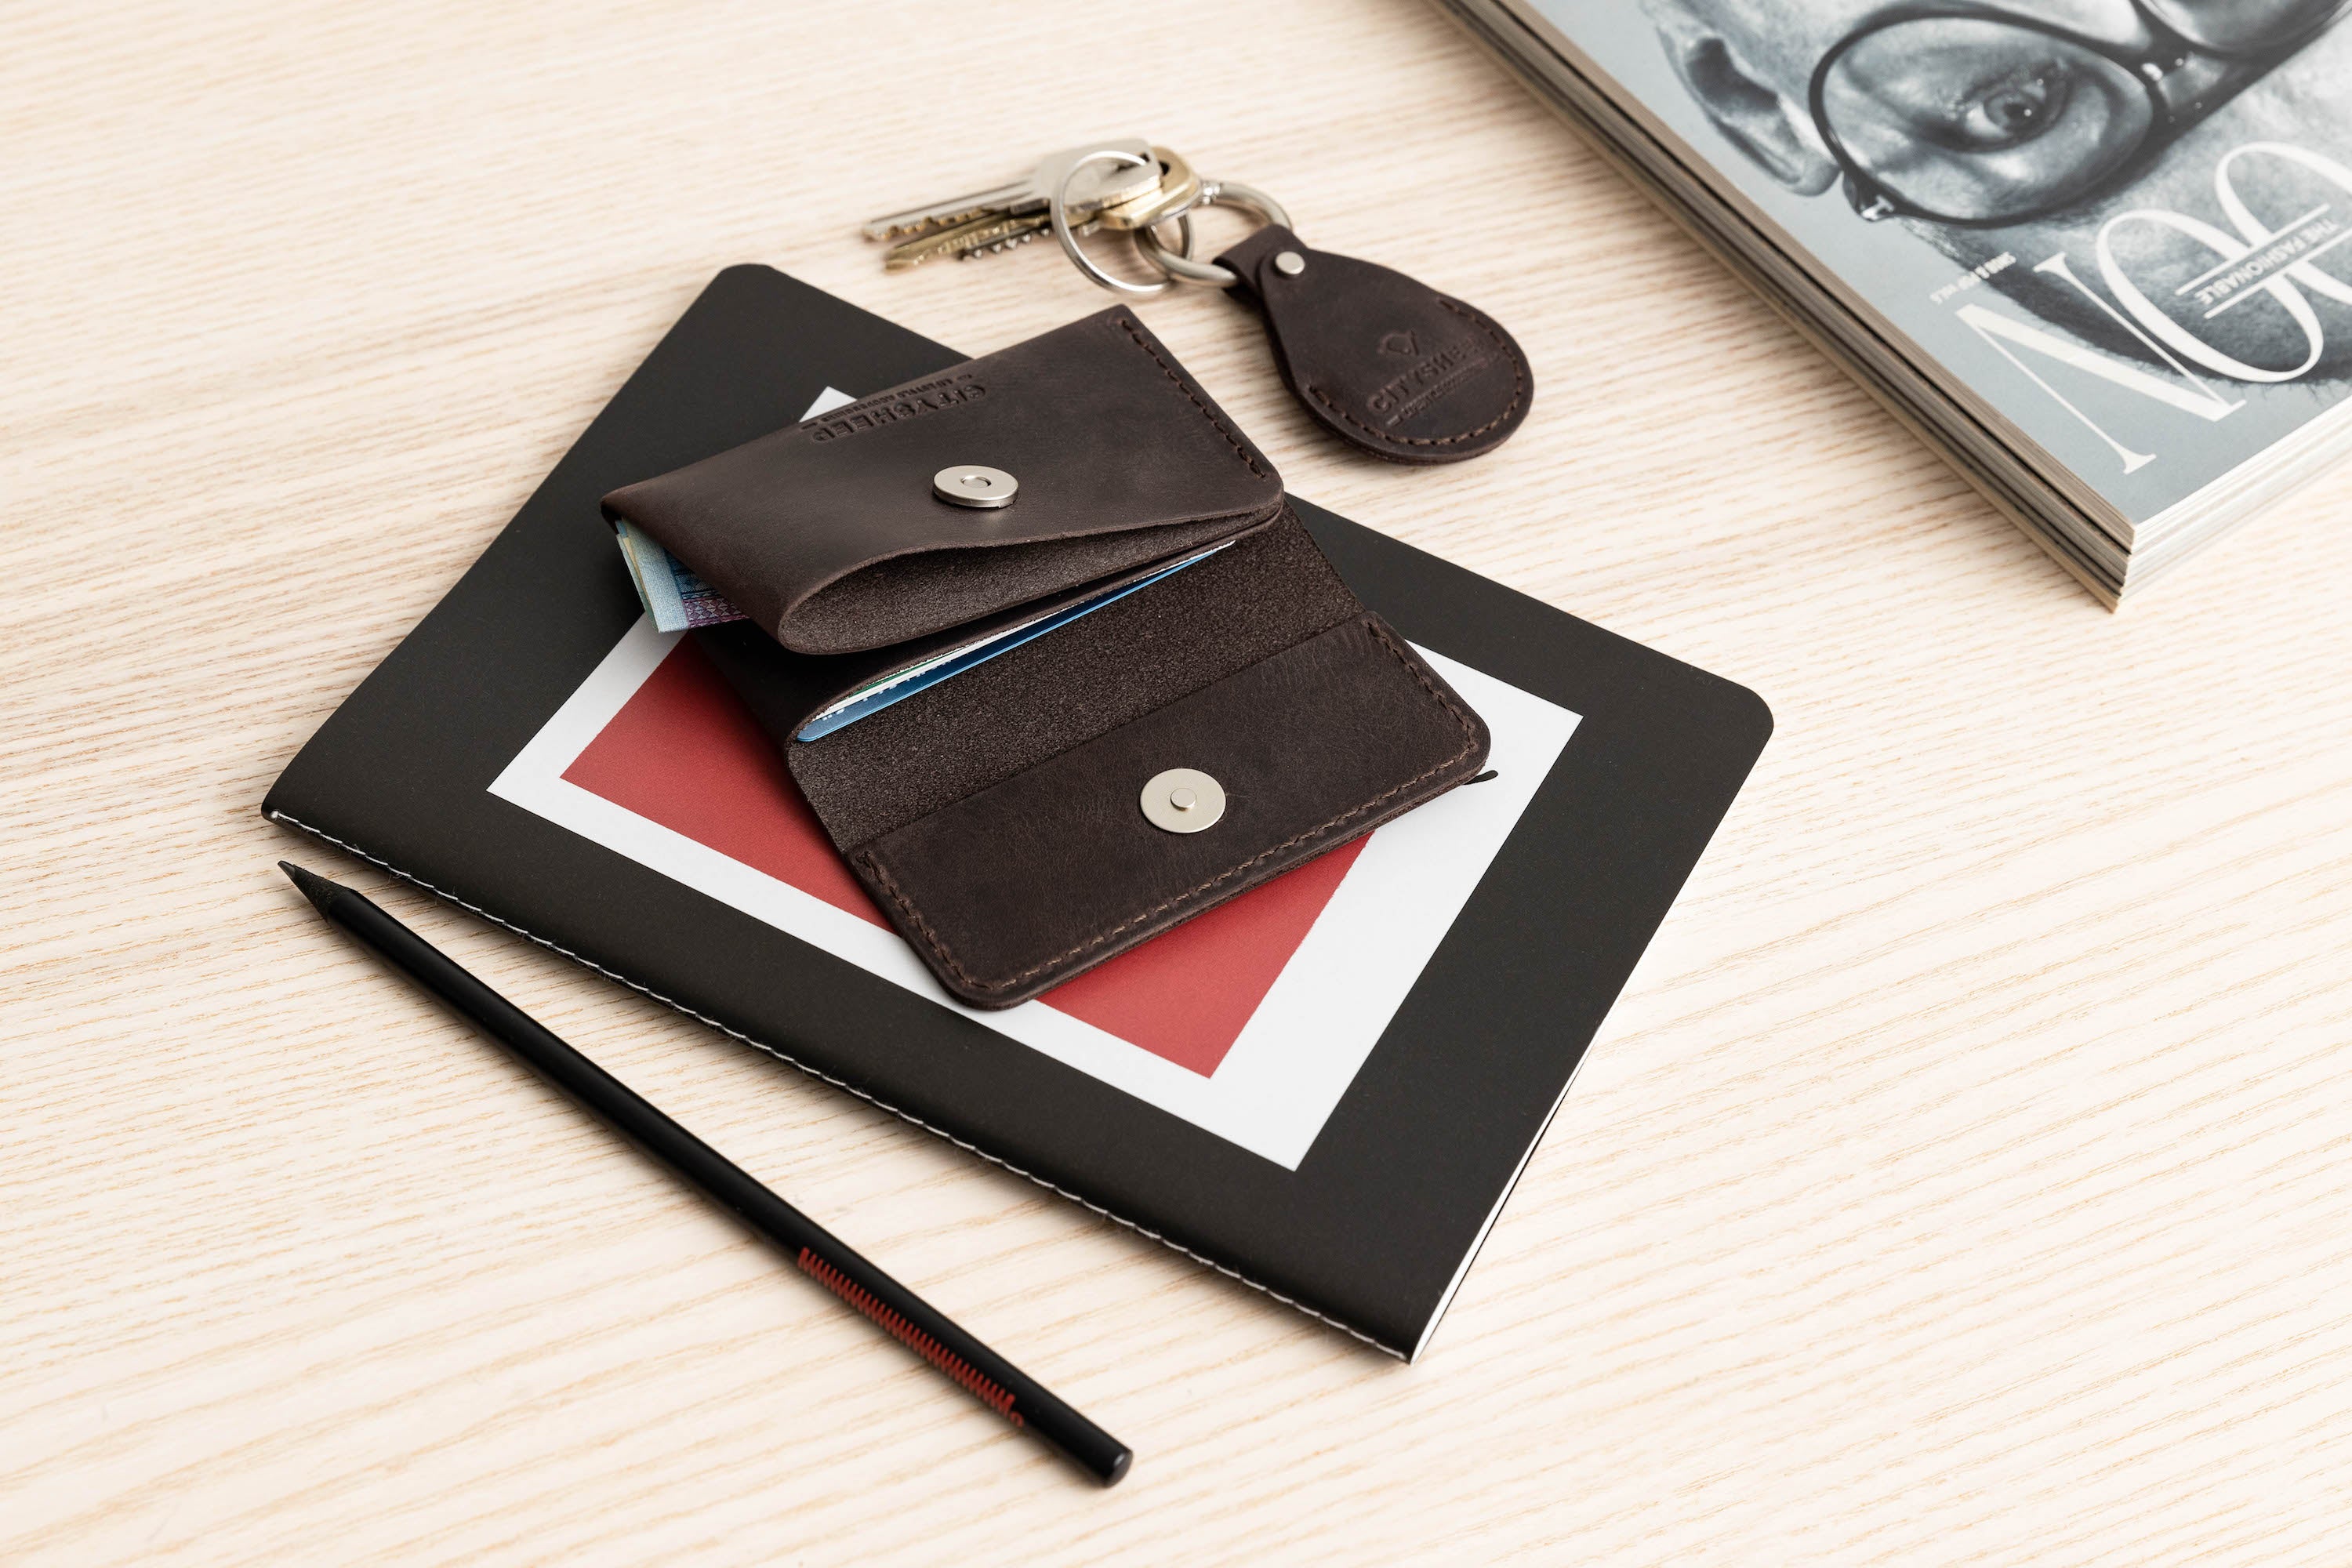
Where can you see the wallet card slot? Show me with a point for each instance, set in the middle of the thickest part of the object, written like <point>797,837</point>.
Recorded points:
<point>889,691</point>
<point>1247,602</point>
<point>787,691</point>
<point>1010,888</point>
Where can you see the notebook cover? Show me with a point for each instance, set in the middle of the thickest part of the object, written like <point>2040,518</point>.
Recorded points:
<point>1326,1088</point>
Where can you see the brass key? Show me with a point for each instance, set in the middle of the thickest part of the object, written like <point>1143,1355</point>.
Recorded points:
<point>1102,182</point>
<point>1179,189</point>
<point>981,236</point>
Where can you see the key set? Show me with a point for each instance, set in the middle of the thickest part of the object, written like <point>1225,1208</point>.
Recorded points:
<point>1086,182</point>
<point>1385,362</point>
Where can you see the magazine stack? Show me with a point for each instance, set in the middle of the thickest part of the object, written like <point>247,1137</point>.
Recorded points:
<point>2095,251</point>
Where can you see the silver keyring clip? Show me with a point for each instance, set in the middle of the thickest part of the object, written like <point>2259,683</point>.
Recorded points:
<point>1058,211</point>
<point>1183,269</point>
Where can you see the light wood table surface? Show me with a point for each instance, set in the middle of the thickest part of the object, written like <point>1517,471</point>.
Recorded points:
<point>1966,1176</point>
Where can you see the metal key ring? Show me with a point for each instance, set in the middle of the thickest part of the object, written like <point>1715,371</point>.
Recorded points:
<point>1057,210</point>
<point>1183,269</point>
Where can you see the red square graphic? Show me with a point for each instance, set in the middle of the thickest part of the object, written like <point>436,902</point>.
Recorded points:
<point>683,753</point>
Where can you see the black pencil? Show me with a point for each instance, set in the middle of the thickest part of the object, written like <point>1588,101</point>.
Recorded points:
<point>989,1377</point>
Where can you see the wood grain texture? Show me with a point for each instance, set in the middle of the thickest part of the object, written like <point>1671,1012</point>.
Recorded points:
<point>1964,1179</point>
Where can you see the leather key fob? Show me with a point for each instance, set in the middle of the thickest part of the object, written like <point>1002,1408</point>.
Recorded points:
<point>1387,364</point>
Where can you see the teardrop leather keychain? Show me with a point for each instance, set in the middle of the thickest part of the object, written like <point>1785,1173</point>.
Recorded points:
<point>1382,360</point>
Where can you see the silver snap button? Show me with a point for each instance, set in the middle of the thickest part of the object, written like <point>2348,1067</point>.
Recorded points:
<point>1183,800</point>
<point>971,484</point>
<point>1290,264</point>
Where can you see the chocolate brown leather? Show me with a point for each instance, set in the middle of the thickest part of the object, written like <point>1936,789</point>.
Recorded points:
<point>1382,360</point>
<point>1024,884</point>
<point>828,536</point>
<point>995,817</point>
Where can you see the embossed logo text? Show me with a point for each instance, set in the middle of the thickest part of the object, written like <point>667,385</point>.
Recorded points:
<point>892,408</point>
<point>1426,382</point>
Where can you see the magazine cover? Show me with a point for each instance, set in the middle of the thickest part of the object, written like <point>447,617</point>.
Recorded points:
<point>2117,224</point>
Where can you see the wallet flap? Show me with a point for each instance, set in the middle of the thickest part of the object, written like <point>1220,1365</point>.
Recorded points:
<point>1010,890</point>
<point>830,537</point>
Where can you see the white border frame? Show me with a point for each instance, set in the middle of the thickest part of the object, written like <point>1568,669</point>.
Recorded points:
<point>1301,1048</point>
<point>1313,1028</point>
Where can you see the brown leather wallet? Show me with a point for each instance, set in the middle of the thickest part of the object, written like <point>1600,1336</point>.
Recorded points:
<point>1002,818</point>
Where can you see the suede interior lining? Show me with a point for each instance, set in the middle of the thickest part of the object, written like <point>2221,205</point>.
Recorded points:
<point>1244,603</point>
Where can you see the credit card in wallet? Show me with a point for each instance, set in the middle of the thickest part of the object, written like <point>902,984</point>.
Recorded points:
<point>897,687</point>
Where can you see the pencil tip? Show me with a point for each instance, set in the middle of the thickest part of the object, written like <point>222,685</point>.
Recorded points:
<point>315,888</point>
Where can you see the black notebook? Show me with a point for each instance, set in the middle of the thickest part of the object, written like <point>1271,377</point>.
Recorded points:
<point>1326,1087</point>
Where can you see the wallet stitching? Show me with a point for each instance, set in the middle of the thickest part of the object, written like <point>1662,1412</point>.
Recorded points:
<point>1519,389</point>
<point>937,945</point>
<point>1240,449</point>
